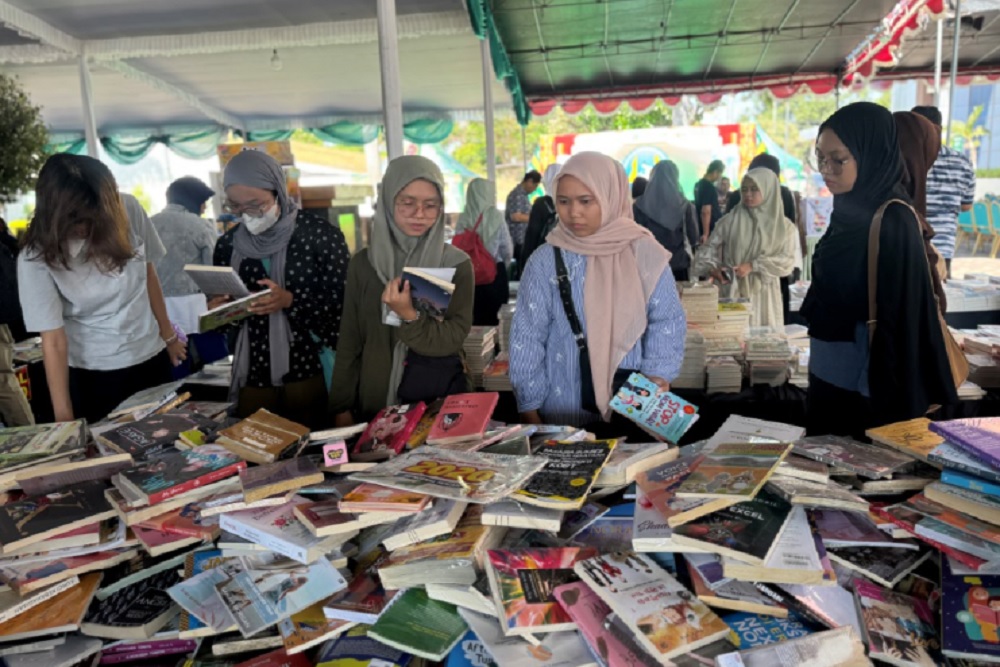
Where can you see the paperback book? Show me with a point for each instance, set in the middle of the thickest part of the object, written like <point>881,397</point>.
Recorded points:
<point>589,612</point>
<point>737,471</point>
<point>440,519</point>
<point>172,473</point>
<point>308,628</point>
<point>154,433</point>
<point>831,648</point>
<point>660,485</point>
<point>271,479</point>
<point>828,495</point>
<point>421,626</point>
<point>886,566</point>
<point>850,455</point>
<point>203,613</point>
<point>747,531</point>
<point>382,499</point>
<point>753,630</point>
<point>61,613</point>
<point>954,458</point>
<point>217,280</point>
<point>135,612</point>
<point>913,437</point>
<point>899,629</point>
<point>36,518</point>
<point>559,649</point>
<point>569,473</point>
<point>262,437</point>
<point>463,417</point>
<point>631,458</point>
<point>969,615</point>
<point>230,312</point>
<point>980,437</point>
<point>660,412</point>
<point>388,433</point>
<point>281,531</point>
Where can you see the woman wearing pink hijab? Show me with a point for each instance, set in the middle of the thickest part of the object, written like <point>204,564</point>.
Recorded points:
<point>616,289</point>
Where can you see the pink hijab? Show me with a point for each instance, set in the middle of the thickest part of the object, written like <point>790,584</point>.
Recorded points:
<point>624,264</point>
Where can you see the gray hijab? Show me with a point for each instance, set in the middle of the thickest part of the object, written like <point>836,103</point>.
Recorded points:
<point>663,202</point>
<point>390,249</point>
<point>259,170</point>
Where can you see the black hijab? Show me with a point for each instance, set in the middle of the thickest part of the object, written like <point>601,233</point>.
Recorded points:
<point>190,193</point>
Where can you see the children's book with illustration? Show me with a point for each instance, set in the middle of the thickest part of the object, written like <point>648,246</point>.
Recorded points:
<point>913,437</point>
<point>565,481</point>
<point>970,615</point>
<point>735,471</point>
<point>899,629</point>
<point>667,619</point>
<point>667,415</point>
<point>463,417</point>
<point>523,583</point>
<point>589,612</point>
<point>387,434</point>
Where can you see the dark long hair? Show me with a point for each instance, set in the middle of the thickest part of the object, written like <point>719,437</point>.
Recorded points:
<point>73,190</point>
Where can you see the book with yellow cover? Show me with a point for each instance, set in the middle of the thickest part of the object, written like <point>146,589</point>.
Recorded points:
<point>736,470</point>
<point>62,613</point>
<point>912,437</point>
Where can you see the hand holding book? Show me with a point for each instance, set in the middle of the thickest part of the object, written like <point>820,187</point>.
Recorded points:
<point>278,299</point>
<point>397,297</point>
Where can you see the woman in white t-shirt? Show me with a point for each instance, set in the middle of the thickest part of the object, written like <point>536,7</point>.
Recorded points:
<point>87,284</point>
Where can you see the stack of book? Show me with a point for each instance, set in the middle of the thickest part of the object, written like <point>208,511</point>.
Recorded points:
<point>701,305</point>
<point>767,355</point>
<point>725,375</point>
<point>506,316</point>
<point>799,367</point>
<point>733,320</point>
<point>692,372</point>
<point>984,370</point>
<point>496,376</point>
<point>480,348</point>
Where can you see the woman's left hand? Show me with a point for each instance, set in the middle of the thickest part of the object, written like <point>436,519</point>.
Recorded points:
<point>396,296</point>
<point>278,299</point>
<point>660,382</point>
<point>743,270</point>
<point>177,351</point>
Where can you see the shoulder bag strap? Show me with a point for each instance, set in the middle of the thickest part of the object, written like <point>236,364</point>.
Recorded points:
<point>873,247</point>
<point>478,220</point>
<point>566,296</point>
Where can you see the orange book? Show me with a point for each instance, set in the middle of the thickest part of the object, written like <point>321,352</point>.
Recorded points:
<point>62,613</point>
<point>375,498</point>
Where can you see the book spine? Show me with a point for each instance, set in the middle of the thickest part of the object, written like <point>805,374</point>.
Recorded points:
<point>965,559</point>
<point>961,467</point>
<point>35,600</point>
<point>137,656</point>
<point>263,539</point>
<point>172,645</point>
<point>971,483</point>
<point>193,484</point>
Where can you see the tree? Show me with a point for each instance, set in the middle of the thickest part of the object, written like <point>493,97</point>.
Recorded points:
<point>967,136</point>
<point>143,198</point>
<point>23,136</point>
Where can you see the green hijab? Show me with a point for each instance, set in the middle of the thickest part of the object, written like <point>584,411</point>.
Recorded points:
<point>481,200</point>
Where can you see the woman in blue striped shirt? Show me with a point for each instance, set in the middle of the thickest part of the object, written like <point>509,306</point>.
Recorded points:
<point>621,290</point>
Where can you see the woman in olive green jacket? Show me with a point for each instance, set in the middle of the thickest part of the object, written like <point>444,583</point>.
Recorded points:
<point>408,231</point>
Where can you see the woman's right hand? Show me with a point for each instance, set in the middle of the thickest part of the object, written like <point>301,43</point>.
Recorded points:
<point>216,301</point>
<point>344,419</point>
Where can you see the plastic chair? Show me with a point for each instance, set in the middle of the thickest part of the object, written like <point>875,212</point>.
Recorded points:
<point>981,221</point>
<point>994,209</point>
<point>966,228</point>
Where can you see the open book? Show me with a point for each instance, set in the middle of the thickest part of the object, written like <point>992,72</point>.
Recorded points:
<point>217,280</point>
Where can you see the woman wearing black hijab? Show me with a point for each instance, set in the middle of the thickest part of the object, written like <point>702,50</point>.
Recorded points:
<point>904,371</point>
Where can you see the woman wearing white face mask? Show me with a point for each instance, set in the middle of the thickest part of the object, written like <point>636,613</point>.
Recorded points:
<point>281,355</point>
<point>86,281</point>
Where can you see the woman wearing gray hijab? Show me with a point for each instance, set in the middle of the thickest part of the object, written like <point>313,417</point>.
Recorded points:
<point>283,349</point>
<point>408,231</point>
<point>664,210</point>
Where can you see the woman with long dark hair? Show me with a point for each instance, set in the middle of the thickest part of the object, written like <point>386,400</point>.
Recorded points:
<point>87,283</point>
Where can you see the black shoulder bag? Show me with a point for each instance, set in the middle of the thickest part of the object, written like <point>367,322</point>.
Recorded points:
<point>588,399</point>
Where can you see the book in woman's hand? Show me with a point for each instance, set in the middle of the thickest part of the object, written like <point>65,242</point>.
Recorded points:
<point>660,412</point>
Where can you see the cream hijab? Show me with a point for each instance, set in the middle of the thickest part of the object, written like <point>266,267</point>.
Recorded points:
<point>390,249</point>
<point>481,200</point>
<point>624,264</point>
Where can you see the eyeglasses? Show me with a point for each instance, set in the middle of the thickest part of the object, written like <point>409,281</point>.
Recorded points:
<point>835,167</point>
<point>410,207</point>
<point>254,210</point>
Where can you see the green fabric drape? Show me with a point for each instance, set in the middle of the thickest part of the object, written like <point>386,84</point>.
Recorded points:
<point>347,132</point>
<point>270,135</point>
<point>428,130</point>
<point>484,27</point>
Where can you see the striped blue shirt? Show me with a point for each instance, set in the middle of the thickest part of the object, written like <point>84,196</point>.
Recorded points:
<point>951,184</point>
<point>544,359</point>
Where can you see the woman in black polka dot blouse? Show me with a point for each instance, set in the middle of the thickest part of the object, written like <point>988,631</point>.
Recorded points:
<point>303,259</point>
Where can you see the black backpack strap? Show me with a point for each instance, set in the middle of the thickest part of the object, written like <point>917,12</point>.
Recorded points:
<point>566,296</point>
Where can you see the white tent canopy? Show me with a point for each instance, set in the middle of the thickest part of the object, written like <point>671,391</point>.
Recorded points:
<point>160,64</point>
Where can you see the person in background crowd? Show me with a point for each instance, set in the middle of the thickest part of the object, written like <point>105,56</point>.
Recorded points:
<point>517,212</point>
<point>87,282</point>
<point>666,212</point>
<point>373,357</point>
<point>919,141</point>
<point>14,407</point>
<point>284,349</point>
<point>723,188</point>
<point>639,187</point>
<point>951,189</point>
<point>188,240</point>
<point>481,210</point>
<point>543,217</point>
<point>854,385</point>
<point>622,292</point>
<point>706,199</point>
<point>757,242</point>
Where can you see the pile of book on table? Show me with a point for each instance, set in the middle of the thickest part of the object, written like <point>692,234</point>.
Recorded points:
<point>692,371</point>
<point>434,535</point>
<point>480,348</point>
<point>767,355</point>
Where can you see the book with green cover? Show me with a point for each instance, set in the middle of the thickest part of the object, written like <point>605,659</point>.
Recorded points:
<point>421,626</point>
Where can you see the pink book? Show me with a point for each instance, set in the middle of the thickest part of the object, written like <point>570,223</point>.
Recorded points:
<point>463,417</point>
<point>588,611</point>
<point>387,434</point>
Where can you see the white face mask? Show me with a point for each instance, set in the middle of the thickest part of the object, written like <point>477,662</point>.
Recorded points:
<point>263,223</point>
<point>75,246</point>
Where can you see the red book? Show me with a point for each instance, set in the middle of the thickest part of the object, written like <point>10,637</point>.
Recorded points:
<point>463,417</point>
<point>277,658</point>
<point>906,519</point>
<point>177,472</point>
<point>387,434</point>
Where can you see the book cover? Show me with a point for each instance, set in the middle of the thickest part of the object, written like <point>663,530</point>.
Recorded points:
<point>74,650</point>
<point>172,473</point>
<point>589,612</point>
<point>971,483</point>
<point>202,610</point>
<point>259,591</point>
<point>667,415</point>
<point>356,649</point>
<point>667,619</point>
<point>660,485</point>
<point>827,606</point>
<point>421,626</point>
<point>135,612</point>
<point>954,458</point>
<point>61,613</point>
<point>979,436</point>
<point>462,545</point>
<point>280,530</point>
<point>429,293</point>
<point>463,417</point>
<point>907,520</point>
<point>27,443</point>
<point>970,615</point>
<point>388,433</point>
<point>752,630</point>
<point>154,433</point>
<point>265,431</point>
<point>887,566</point>
<point>851,529</point>
<point>513,514</point>
<point>35,518</point>
<point>827,495</point>
<point>523,581</point>
<point>631,458</point>
<point>273,478</point>
<point>365,598</point>
<point>798,557</point>
<point>611,532</point>
<point>736,470</point>
<point>965,501</point>
<point>853,456</point>
<point>309,627</point>
<point>27,577</point>
<point>440,519</point>
<point>217,280</point>
<point>912,437</point>
<point>746,531</point>
<point>13,605</point>
<point>830,648</point>
<point>568,475</point>
<point>230,312</point>
<point>559,649</point>
<point>156,542</point>
<point>737,428</point>
<point>324,518</point>
<point>375,498</point>
<point>921,504</point>
<point>898,628</point>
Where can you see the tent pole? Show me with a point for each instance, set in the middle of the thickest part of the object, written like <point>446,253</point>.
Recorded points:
<point>89,122</point>
<point>491,148</point>
<point>954,72</point>
<point>392,98</point>
<point>937,63</point>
